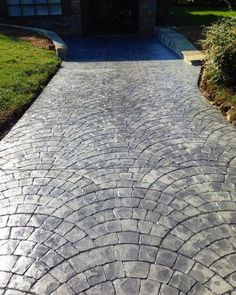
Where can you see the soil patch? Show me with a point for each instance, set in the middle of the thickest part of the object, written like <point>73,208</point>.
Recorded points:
<point>223,99</point>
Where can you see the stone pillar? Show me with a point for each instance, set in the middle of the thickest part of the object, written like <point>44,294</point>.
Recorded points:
<point>76,19</point>
<point>147,16</point>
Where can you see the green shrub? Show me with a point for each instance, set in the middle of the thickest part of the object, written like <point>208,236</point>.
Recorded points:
<point>220,44</point>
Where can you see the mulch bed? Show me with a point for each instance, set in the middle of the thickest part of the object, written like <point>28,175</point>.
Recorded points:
<point>34,38</point>
<point>226,108</point>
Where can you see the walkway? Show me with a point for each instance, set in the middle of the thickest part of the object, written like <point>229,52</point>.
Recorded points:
<point>120,179</point>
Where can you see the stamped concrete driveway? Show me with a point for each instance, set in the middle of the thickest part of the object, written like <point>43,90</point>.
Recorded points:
<point>120,179</point>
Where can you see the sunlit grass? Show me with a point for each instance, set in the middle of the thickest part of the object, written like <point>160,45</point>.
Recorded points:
<point>189,15</point>
<point>24,70</point>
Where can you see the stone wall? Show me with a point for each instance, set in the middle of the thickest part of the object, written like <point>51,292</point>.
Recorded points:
<point>72,24</point>
<point>62,25</point>
<point>147,16</point>
<point>69,24</point>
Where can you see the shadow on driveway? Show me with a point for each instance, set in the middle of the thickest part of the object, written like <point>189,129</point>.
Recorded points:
<point>117,49</point>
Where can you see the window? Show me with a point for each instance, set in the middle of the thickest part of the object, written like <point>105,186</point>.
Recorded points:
<point>34,7</point>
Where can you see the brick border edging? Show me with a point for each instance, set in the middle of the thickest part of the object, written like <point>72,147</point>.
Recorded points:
<point>180,45</point>
<point>60,46</point>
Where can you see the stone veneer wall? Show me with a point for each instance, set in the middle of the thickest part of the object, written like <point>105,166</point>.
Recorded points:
<point>72,24</point>
<point>65,25</point>
<point>147,16</point>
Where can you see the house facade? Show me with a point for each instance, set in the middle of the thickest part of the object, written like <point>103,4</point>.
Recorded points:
<point>82,17</point>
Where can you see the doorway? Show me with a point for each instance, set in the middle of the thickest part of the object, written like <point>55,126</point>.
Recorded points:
<point>113,17</point>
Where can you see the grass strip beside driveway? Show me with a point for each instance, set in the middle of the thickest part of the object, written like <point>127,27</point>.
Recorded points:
<point>24,72</point>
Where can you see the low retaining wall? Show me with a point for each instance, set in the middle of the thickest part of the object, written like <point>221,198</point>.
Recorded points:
<point>60,46</point>
<point>180,45</point>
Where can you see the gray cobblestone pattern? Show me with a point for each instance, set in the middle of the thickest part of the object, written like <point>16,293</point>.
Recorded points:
<point>120,179</point>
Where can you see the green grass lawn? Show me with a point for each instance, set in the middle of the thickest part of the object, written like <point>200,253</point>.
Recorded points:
<point>189,15</point>
<point>24,71</point>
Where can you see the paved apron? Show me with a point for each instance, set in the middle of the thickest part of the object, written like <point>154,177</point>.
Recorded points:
<point>120,179</point>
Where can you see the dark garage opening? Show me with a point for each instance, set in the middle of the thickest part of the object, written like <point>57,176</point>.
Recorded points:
<point>110,17</point>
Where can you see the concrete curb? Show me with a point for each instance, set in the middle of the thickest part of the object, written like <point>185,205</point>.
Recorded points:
<point>60,46</point>
<point>180,45</point>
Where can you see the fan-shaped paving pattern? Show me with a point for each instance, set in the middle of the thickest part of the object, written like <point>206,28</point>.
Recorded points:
<point>120,179</point>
